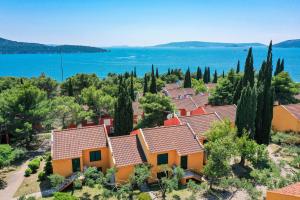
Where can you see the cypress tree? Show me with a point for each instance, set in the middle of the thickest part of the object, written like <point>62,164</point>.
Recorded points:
<point>70,88</point>
<point>249,70</point>
<point>153,88</point>
<point>145,85</point>
<point>237,91</point>
<point>238,67</point>
<point>282,66</point>
<point>278,67</point>
<point>131,91</point>
<point>187,79</point>
<point>223,75</point>
<point>134,72</point>
<point>215,80</point>
<point>169,72</point>
<point>205,75</point>
<point>156,74</point>
<point>208,74</point>
<point>265,100</point>
<point>246,111</point>
<point>199,73</point>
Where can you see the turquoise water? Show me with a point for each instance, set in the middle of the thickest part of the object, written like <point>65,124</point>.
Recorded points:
<point>119,60</point>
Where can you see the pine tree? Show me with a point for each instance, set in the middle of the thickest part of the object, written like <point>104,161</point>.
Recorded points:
<point>134,72</point>
<point>238,67</point>
<point>153,87</point>
<point>199,73</point>
<point>246,111</point>
<point>265,100</point>
<point>237,91</point>
<point>145,85</point>
<point>187,79</point>
<point>205,75</point>
<point>131,91</point>
<point>208,74</point>
<point>249,69</point>
<point>282,66</point>
<point>70,88</point>
<point>215,80</point>
<point>278,67</point>
<point>156,74</point>
<point>123,118</point>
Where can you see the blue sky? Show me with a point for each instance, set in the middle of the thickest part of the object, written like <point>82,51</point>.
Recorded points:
<point>141,22</point>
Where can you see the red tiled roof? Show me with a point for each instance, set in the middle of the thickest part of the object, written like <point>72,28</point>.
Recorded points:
<point>180,92</point>
<point>137,110</point>
<point>225,112</point>
<point>294,109</point>
<point>69,143</point>
<point>187,103</point>
<point>293,189</point>
<point>166,138</point>
<point>127,150</point>
<point>200,123</point>
<point>171,86</point>
<point>201,99</point>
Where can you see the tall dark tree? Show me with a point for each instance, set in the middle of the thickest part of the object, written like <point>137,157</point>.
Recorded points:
<point>187,79</point>
<point>123,118</point>
<point>215,80</point>
<point>238,67</point>
<point>278,67</point>
<point>238,91</point>
<point>223,74</point>
<point>282,65</point>
<point>153,87</point>
<point>208,74</point>
<point>265,100</point>
<point>246,111</point>
<point>131,90</point>
<point>145,84</point>
<point>134,72</point>
<point>199,73</point>
<point>169,72</point>
<point>156,73</point>
<point>70,88</point>
<point>205,75</point>
<point>249,70</point>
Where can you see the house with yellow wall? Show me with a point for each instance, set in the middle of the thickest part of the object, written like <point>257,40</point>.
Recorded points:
<point>286,118</point>
<point>290,192</point>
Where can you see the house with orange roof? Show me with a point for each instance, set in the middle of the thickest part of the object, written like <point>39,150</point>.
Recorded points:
<point>290,192</point>
<point>172,146</point>
<point>286,117</point>
<point>179,93</point>
<point>224,112</point>
<point>75,149</point>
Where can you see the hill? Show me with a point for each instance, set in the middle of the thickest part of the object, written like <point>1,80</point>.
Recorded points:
<point>289,44</point>
<point>197,44</point>
<point>14,47</point>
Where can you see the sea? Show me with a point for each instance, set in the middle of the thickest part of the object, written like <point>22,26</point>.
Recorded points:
<point>120,60</point>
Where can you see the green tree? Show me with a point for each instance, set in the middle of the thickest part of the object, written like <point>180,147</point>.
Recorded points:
<point>145,85</point>
<point>131,90</point>
<point>8,155</point>
<point>249,69</point>
<point>70,88</point>
<point>198,86</point>
<point>278,67</point>
<point>246,111</point>
<point>187,79</point>
<point>215,80</point>
<point>45,83</point>
<point>223,93</point>
<point>265,100</point>
<point>285,88</point>
<point>134,72</point>
<point>199,73</point>
<point>153,87</point>
<point>238,67</point>
<point>156,73</point>
<point>156,107</point>
<point>238,91</point>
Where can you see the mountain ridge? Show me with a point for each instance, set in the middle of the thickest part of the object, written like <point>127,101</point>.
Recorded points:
<point>294,43</point>
<point>199,44</point>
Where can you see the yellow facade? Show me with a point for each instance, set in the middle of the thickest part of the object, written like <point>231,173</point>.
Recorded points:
<point>64,167</point>
<point>123,174</point>
<point>278,196</point>
<point>283,120</point>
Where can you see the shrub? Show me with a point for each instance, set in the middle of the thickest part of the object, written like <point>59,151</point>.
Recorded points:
<point>34,164</point>
<point>77,184</point>
<point>64,196</point>
<point>92,173</point>
<point>56,180</point>
<point>144,196</point>
<point>42,176</point>
<point>48,167</point>
<point>90,183</point>
<point>31,198</point>
<point>28,171</point>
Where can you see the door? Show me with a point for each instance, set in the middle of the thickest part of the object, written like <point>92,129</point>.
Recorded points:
<point>183,162</point>
<point>76,164</point>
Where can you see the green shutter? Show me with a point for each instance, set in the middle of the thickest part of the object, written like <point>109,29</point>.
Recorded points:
<point>162,159</point>
<point>95,156</point>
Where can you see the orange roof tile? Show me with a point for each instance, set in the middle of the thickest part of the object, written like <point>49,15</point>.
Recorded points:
<point>200,123</point>
<point>70,143</point>
<point>180,92</point>
<point>180,138</point>
<point>186,103</point>
<point>171,86</point>
<point>127,150</point>
<point>201,99</point>
<point>225,112</point>
<point>294,109</point>
<point>293,189</point>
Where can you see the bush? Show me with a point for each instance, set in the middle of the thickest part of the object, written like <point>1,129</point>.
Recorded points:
<point>28,171</point>
<point>64,196</point>
<point>92,173</point>
<point>31,198</point>
<point>90,183</point>
<point>77,184</point>
<point>34,164</point>
<point>56,180</point>
<point>42,176</point>
<point>9,155</point>
<point>144,196</point>
<point>48,167</point>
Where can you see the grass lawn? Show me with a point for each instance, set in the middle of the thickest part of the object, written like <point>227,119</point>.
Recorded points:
<point>31,184</point>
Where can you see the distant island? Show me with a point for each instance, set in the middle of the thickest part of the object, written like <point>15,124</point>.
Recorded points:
<point>289,44</point>
<point>197,44</point>
<point>14,47</point>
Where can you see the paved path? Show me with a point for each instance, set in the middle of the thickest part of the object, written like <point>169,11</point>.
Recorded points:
<point>14,180</point>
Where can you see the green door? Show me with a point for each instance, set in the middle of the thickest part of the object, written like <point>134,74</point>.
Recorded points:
<point>183,162</point>
<point>76,164</point>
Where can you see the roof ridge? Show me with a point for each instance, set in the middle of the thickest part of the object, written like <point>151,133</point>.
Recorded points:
<point>121,136</point>
<point>83,127</point>
<point>158,127</point>
<point>198,115</point>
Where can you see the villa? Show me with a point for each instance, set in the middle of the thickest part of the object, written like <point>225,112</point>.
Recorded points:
<point>290,192</point>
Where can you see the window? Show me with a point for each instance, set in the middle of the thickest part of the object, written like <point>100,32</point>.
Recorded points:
<point>162,159</point>
<point>95,156</point>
